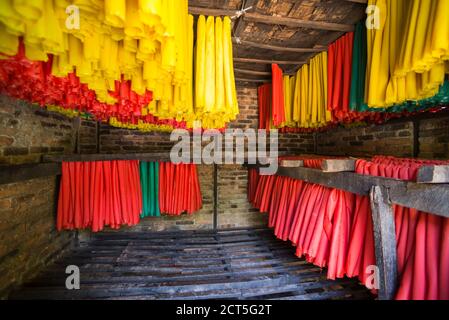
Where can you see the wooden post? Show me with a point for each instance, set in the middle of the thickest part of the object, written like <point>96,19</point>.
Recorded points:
<point>433,174</point>
<point>415,150</point>
<point>384,241</point>
<point>215,197</point>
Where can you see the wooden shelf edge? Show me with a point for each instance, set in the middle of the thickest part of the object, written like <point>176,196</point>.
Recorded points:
<point>107,157</point>
<point>24,172</point>
<point>431,198</point>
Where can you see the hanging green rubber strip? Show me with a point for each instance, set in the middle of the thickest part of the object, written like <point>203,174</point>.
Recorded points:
<point>157,211</point>
<point>151,188</point>
<point>357,95</point>
<point>149,179</point>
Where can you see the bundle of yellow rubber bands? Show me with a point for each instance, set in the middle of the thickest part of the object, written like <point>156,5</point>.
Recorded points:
<point>305,95</point>
<point>408,51</point>
<point>215,100</point>
<point>149,42</point>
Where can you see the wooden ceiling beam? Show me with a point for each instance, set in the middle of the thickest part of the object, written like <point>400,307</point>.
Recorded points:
<point>252,80</point>
<point>358,1</point>
<point>211,12</point>
<point>267,19</point>
<point>262,61</point>
<point>298,23</point>
<point>276,48</point>
<point>252,72</point>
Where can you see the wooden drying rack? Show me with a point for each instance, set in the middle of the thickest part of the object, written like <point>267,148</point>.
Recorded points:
<point>429,194</point>
<point>51,164</point>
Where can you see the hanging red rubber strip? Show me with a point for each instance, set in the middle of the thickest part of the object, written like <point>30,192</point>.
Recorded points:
<point>277,96</point>
<point>264,100</point>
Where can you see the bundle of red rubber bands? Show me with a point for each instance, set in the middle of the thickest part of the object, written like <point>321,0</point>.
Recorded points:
<point>277,96</point>
<point>264,102</point>
<point>179,188</point>
<point>33,81</point>
<point>97,194</point>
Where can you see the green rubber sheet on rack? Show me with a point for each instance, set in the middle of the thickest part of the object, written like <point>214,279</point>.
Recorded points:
<point>149,180</point>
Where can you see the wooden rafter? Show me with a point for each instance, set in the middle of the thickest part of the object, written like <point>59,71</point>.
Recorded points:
<point>262,61</point>
<point>211,11</point>
<point>298,23</point>
<point>252,72</point>
<point>358,1</point>
<point>252,80</point>
<point>267,19</point>
<point>275,48</point>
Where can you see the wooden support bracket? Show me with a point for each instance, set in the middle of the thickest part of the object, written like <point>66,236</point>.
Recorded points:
<point>338,165</point>
<point>433,174</point>
<point>384,242</point>
<point>292,163</point>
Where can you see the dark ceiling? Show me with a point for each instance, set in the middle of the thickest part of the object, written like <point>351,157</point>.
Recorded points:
<point>287,31</point>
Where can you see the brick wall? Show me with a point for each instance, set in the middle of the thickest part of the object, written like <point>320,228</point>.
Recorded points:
<point>248,116</point>
<point>116,140</point>
<point>234,209</point>
<point>87,136</point>
<point>434,138</point>
<point>394,139</point>
<point>28,239</point>
<point>27,132</point>
<point>296,143</point>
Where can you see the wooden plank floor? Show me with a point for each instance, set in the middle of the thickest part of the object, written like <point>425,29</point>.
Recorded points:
<point>227,264</point>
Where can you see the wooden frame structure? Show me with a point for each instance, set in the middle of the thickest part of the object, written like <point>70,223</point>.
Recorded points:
<point>429,194</point>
